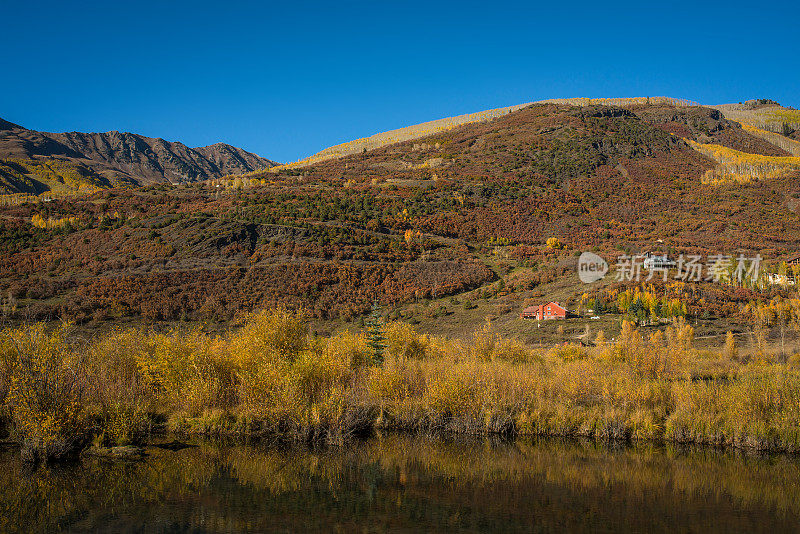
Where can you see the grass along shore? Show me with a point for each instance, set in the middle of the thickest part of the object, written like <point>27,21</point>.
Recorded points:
<point>270,377</point>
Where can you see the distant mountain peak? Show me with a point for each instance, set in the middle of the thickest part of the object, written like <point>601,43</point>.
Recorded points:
<point>129,157</point>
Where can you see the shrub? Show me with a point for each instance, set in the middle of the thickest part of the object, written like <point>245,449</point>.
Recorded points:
<point>269,334</point>
<point>456,390</point>
<point>45,390</point>
<point>514,351</point>
<point>554,243</point>
<point>482,343</point>
<point>270,377</point>
<point>119,388</point>
<point>404,343</point>
<point>570,352</point>
<point>318,371</point>
<point>263,390</point>
<point>349,347</point>
<point>730,350</point>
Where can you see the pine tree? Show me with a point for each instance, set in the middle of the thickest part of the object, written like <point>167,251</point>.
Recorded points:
<point>376,338</point>
<point>637,310</point>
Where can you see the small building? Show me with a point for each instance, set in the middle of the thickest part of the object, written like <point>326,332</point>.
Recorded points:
<point>551,310</point>
<point>654,261</point>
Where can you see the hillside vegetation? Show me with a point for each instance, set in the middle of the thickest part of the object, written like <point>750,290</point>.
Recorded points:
<point>766,115</point>
<point>425,129</point>
<point>740,167</point>
<point>789,145</point>
<point>432,228</point>
<point>54,176</point>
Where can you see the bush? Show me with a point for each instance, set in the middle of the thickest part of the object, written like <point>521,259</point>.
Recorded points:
<point>554,243</point>
<point>482,343</point>
<point>404,343</point>
<point>118,386</point>
<point>46,395</point>
<point>349,347</point>
<point>570,352</point>
<point>514,351</point>
<point>270,334</point>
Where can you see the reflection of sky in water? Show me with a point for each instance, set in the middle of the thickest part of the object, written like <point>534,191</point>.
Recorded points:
<point>401,483</point>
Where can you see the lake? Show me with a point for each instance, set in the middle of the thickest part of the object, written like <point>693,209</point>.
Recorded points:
<point>407,483</point>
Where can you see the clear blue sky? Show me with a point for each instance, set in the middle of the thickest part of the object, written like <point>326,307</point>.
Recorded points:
<point>287,79</point>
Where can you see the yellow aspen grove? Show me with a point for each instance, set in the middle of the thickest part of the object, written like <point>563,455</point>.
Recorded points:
<point>789,145</point>
<point>40,222</point>
<point>773,118</point>
<point>738,167</point>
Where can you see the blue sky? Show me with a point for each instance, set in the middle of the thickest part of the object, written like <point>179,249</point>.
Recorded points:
<point>287,79</point>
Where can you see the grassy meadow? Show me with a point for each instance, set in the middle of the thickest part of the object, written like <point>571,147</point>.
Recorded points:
<point>271,377</point>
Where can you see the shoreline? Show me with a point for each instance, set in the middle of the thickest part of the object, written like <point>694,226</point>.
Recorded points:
<point>184,439</point>
<point>271,378</point>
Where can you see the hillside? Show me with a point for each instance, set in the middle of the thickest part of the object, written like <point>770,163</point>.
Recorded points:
<point>33,162</point>
<point>765,114</point>
<point>424,129</point>
<point>448,228</point>
<point>401,134</point>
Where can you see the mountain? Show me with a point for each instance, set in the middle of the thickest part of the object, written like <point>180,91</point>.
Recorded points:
<point>768,120</point>
<point>402,134</point>
<point>567,170</point>
<point>424,129</point>
<point>483,215</point>
<point>37,161</point>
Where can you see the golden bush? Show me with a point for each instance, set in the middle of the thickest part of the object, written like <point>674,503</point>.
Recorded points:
<point>277,333</point>
<point>403,342</point>
<point>269,376</point>
<point>46,394</point>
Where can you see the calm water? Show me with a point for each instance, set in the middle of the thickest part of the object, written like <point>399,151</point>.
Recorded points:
<point>404,484</point>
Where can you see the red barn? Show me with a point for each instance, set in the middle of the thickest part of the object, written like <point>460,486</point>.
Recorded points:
<point>551,310</point>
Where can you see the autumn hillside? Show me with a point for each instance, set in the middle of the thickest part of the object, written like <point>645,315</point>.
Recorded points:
<point>451,226</point>
<point>425,129</point>
<point>765,114</point>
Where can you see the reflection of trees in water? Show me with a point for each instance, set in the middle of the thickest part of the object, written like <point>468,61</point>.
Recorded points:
<point>406,482</point>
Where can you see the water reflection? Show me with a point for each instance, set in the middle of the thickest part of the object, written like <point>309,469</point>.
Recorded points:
<point>408,483</point>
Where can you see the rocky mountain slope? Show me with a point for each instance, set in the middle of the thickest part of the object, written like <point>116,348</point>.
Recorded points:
<point>114,158</point>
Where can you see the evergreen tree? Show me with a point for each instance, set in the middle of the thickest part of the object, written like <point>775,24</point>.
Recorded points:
<point>376,338</point>
<point>637,310</point>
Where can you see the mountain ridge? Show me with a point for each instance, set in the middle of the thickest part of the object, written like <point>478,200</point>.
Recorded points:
<point>418,131</point>
<point>424,129</point>
<point>121,157</point>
